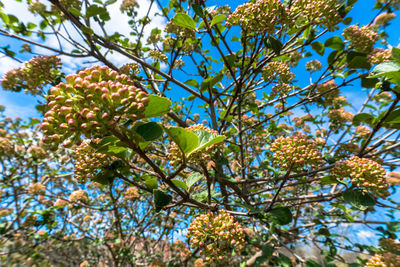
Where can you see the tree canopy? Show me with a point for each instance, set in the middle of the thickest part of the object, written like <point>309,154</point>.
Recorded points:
<point>182,133</point>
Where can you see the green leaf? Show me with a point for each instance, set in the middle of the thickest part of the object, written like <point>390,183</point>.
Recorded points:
<point>218,19</point>
<point>363,118</point>
<point>347,20</point>
<point>184,20</point>
<point>161,199</point>
<point>111,145</point>
<point>149,131</point>
<point>396,54</point>
<point>311,263</point>
<point>359,199</point>
<point>327,180</point>
<point>281,215</point>
<point>104,177</point>
<point>179,184</point>
<point>186,140</point>
<point>274,44</point>
<point>210,82</point>
<point>335,43</point>
<point>267,250</point>
<point>357,60</point>
<point>157,106</point>
<point>150,182</point>
<point>390,70</point>
<point>318,47</point>
<point>192,82</point>
<point>207,139</point>
<point>367,82</point>
<point>198,10</point>
<point>192,179</point>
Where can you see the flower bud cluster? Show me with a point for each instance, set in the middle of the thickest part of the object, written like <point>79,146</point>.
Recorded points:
<point>131,193</point>
<point>294,58</point>
<point>181,248</point>
<point>391,3</point>
<point>277,71</point>
<point>263,16</point>
<point>5,212</point>
<point>37,152</point>
<point>363,39</point>
<point>328,91</point>
<point>130,69</point>
<point>33,75</point>
<point>61,203</point>
<point>317,12</point>
<point>216,235</point>
<point>383,97</point>
<point>384,260</point>
<point>295,152</point>
<point>338,116</point>
<point>362,131</point>
<point>91,102</point>
<point>364,173</point>
<point>204,156</point>
<point>88,161</point>
<point>128,5</point>
<point>36,189</point>
<point>379,55</point>
<point>376,261</point>
<point>6,146</point>
<point>389,244</point>
<point>281,89</point>
<point>313,65</point>
<point>79,196</point>
<point>37,8</point>
<point>384,18</point>
<point>179,31</point>
<point>158,56</point>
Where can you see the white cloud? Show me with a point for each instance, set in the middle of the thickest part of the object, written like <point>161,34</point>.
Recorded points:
<point>365,235</point>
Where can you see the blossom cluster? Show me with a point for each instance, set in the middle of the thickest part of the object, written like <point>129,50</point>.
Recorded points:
<point>389,244</point>
<point>88,161</point>
<point>91,102</point>
<point>317,12</point>
<point>364,173</point>
<point>338,116</point>
<point>131,193</point>
<point>216,235</point>
<point>362,131</point>
<point>384,260</point>
<point>313,65</point>
<point>179,31</point>
<point>128,5</point>
<point>33,75</point>
<point>363,39</point>
<point>295,152</point>
<point>384,18</point>
<point>204,156</point>
<point>379,55</point>
<point>277,71</point>
<point>36,189</point>
<point>78,196</point>
<point>259,17</point>
<point>6,146</point>
<point>158,56</point>
<point>328,91</point>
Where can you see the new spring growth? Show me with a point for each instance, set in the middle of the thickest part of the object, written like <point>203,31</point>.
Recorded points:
<point>296,151</point>
<point>364,173</point>
<point>90,103</point>
<point>216,235</point>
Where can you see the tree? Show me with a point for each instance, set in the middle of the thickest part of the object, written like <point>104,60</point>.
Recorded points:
<point>124,167</point>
